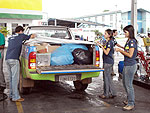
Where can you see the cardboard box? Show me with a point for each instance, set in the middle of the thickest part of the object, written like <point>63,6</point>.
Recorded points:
<point>39,47</point>
<point>45,48</point>
<point>42,51</point>
<point>52,48</point>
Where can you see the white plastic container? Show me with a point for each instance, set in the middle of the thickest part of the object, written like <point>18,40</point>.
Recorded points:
<point>43,59</point>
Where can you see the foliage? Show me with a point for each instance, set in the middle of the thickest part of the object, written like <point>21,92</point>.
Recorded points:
<point>105,10</point>
<point>4,31</point>
<point>121,27</point>
<point>97,33</point>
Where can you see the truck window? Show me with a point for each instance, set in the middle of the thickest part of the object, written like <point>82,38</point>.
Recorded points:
<point>55,33</point>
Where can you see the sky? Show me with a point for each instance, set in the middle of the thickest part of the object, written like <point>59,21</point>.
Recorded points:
<point>77,8</point>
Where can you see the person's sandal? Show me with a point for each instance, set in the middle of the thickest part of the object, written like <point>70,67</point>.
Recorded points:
<point>102,96</point>
<point>128,108</point>
<point>19,100</point>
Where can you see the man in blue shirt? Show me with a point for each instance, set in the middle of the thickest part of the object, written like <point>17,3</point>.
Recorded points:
<point>12,60</point>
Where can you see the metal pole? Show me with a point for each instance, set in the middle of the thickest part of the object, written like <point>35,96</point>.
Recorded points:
<point>76,25</point>
<point>134,15</point>
<point>55,22</point>
<point>116,16</point>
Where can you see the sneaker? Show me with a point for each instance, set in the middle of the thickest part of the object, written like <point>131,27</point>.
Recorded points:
<point>19,100</point>
<point>128,108</point>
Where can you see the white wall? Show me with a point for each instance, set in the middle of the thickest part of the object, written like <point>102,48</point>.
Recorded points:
<point>9,22</point>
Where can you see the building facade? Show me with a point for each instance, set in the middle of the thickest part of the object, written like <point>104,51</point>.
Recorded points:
<point>119,19</point>
<point>16,12</point>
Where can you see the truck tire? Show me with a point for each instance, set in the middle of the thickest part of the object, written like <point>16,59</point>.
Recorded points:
<point>79,86</point>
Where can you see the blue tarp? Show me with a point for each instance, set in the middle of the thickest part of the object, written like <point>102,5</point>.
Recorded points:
<point>63,54</point>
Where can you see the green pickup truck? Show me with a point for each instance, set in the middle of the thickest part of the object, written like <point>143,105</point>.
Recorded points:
<point>36,55</point>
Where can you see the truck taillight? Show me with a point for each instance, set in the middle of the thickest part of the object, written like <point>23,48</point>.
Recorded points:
<point>32,60</point>
<point>97,59</point>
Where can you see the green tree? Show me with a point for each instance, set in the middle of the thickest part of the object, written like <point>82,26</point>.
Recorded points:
<point>4,31</point>
<point>98,34</point>
<point>105,10</point>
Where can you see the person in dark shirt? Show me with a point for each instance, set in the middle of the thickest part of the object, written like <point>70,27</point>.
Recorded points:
<point>130,65</point>
<point>115,33</point>
<point>108,61</point>
<point>12,61</point>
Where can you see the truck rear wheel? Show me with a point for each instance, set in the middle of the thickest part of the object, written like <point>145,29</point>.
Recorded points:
<point>79,86</point>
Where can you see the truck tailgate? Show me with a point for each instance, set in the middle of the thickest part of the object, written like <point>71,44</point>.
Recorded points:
<point>68,69</point>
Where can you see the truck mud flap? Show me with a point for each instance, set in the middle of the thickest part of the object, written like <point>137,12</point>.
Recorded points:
<point>68,69</point>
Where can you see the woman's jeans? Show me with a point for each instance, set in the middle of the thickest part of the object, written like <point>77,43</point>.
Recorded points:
<point>128,76</point>
<point>14,71</point>
<point>108,84</point>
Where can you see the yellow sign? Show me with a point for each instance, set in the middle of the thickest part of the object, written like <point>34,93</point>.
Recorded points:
<point>22,4</point>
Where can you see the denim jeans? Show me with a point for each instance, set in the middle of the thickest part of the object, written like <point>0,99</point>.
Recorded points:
<point>108,84</point>
<point>14,71</point>
<point>2,79</point>
<point>128,76</point>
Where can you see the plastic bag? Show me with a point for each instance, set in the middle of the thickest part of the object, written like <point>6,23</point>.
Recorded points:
<point>82,56</point>
<point>72,47</point>
<point>61,56</point>
<point>102,40</point>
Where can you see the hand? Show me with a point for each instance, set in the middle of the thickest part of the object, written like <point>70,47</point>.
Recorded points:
<point>99,44</point>
<point>33,36</point>
<point>117,49</point>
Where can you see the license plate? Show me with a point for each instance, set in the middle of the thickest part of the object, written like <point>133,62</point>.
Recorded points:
<point>67,78</point>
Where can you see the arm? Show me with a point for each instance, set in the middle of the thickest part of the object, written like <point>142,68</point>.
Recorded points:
<point>27,37</point>
<point>32,36</point>
<point>128,54</point>
<point>106,51</point>
<point>119,46</point>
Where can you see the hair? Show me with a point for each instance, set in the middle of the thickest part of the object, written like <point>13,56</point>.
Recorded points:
<point>130,29</point>
<point>148,34</point>
<point>110,32</point>
<point>18,29</point>
<point>114,30</point>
